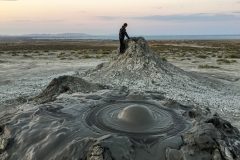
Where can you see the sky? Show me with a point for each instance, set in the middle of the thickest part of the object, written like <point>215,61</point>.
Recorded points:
<point>105,17</point>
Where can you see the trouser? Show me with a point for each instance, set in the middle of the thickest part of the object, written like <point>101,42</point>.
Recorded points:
<point>122,45</point>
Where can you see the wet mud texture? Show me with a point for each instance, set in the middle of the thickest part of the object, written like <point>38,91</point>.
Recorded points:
<point>86,126</point>
<point>69,126</point>
<point>161,121</point>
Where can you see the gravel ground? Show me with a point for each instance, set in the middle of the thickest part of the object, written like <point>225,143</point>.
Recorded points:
<point>24,78</point>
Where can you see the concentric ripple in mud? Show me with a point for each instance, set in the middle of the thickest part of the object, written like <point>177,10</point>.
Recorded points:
<point>148,119</point>
<point>63,127</point>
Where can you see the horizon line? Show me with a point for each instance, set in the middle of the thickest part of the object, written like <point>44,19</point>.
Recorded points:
<point>106,35</point>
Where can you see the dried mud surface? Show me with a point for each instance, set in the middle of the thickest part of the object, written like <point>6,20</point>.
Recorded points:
<point>59,109</point>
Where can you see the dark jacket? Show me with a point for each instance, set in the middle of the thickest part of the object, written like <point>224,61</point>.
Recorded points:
<point>123,33</point>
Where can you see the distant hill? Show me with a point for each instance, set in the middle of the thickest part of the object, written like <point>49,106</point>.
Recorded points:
<point>65,36</point>
<point>61,35</point>
<point>82,36</point>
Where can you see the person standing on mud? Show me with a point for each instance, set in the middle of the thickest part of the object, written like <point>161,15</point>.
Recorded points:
<point>122,34</point>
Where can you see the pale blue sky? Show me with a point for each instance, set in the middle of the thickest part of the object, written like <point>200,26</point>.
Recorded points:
<point>145,17</point>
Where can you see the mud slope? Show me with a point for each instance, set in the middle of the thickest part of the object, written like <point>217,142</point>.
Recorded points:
<point>141,70</point>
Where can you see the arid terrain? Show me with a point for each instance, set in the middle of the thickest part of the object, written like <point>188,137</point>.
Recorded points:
<point>57,102</point>
<point>26,66</point>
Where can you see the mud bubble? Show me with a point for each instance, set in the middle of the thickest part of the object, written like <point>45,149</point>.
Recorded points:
<point>136,118</point>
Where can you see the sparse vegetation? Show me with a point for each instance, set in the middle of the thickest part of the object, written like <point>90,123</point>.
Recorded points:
<point>225,61</point>
<point>206,66</point>
<point>233,55</point>
<point>163,59</point>
<point>27,56</point>
<point>63,58</point>
<point>56,45</point>
<point>86,56</point>
<point>106,52</point>
<point>180,50</point>
<point>214,55</point>
<point>98,56</point>
<point>202,56</point>
<point>79,52</point>
<point>61,55</point>
<point>40,54</point>
<point>200,49</point>
<point>51,53</point>
<point>14,54</point>
<point>195,61</point>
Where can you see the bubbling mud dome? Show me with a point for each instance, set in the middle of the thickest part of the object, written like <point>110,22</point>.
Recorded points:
<point>136,115</point>
<point>137,118</point>
<point>119,111</point>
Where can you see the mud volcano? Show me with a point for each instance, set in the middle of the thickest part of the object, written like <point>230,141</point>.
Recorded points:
<point>118,111</point>
<point>139,68</point>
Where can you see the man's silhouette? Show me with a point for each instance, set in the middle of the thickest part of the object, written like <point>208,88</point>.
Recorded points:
<point>122,34</point>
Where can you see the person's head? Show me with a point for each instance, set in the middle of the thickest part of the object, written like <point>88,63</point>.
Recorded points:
<point>125,25</point>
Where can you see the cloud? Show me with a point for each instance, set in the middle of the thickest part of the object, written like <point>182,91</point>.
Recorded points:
<point>181,17</point>
<point>23,21</point>
<point>191,17</point>
<point>109,17</point>
<point>38,21</point>
<point>159,7</point>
